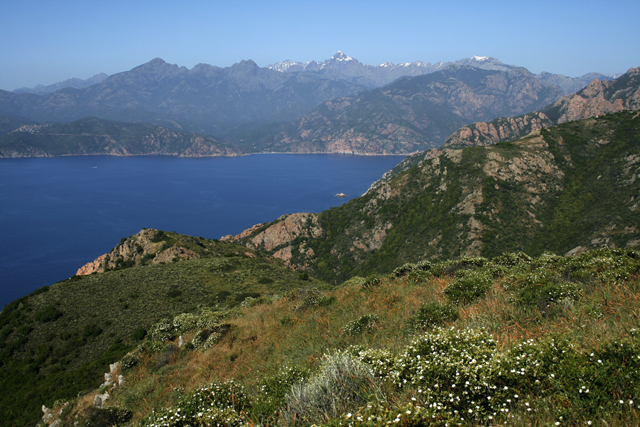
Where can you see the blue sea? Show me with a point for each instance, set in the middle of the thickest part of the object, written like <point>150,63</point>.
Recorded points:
<point>57,214</point>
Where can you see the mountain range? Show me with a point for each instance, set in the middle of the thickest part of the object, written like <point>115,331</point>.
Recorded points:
<point>375,76</point>
<point>73,83</point>
<point>410,114</point>
<point>259,108</point>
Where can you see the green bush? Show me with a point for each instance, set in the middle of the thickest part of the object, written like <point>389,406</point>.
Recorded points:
<point>272,393</point>
<point>371,281</point>
<point>48,314</point>
<point>366,323</point>
<point>469,286</point>
<point>433,314</point>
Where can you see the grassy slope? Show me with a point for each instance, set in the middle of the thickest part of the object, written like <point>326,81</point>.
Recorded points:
<point>560,333</point>
<point>59,340</point>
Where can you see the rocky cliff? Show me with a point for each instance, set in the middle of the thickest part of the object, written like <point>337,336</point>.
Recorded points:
<point>278,237</point>
<point>599,97</point>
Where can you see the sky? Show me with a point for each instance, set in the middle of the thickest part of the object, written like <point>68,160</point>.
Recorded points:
<point>45,42</point>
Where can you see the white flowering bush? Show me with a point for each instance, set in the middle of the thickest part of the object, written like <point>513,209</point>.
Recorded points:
<point>185,322</point>
<point>381,361</point>
<point>130,360</point>
<point>160,333</point>
<point>216,404</point>
<point>209,417</point>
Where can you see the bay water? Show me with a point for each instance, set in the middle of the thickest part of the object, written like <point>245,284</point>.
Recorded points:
<point>57,214</point>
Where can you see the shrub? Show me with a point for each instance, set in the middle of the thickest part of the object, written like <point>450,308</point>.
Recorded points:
<point>545,295</point>
<point>366,323</point>
<point>106,417</point>
<point>161,332</point>
<point>311,297</point>
<point>272,392</point>
<point>48,314</point>
<point>433,314</point>
<point>381,361</point>
<point>469,286</point>
<point>342,385</point>
<point>129,360</point>
<point>371,281</point>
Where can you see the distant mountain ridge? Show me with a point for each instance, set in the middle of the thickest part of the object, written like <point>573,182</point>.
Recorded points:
<point>375,76</point>
<point>73,83</point>
<point>204,99</point>
<point>247,104</point>
<point>93,136</point>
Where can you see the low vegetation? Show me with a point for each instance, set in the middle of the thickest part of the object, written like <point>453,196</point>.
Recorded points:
<point>59,341</point>
<point>549,340</point>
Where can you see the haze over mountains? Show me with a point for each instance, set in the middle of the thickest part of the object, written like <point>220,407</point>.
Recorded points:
<point>268,109</point>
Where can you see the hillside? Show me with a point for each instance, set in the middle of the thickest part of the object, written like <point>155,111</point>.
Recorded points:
<point>569,187</point>
<point>512,340</point>
<point>409,115</point>
<point>599,97</point>
<point>92,136</point>
<point>58,341</point>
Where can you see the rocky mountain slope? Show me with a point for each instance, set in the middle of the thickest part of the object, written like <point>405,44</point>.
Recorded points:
<point>412,114</point>
<point>92,136</point>
<point>599,97</point>
<point>564,188</point>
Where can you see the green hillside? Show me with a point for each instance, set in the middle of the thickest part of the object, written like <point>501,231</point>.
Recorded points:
<point>59,340</point>
<point>573,186</point>
<point>511,340</point>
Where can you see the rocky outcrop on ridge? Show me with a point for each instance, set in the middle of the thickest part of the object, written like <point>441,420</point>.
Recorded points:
<point>276,238</point>
<point>151,246</point>
<point>502,129</point>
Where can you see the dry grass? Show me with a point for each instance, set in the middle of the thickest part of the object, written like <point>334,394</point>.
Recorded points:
<point>266,338</point>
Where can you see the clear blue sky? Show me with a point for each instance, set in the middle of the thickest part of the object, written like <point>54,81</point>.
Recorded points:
<point>46,41</point>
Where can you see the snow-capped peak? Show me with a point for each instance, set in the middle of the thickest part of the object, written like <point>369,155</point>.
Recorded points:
<point>480,58</point>
<point>387,64</point>
<point>339,56</point>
